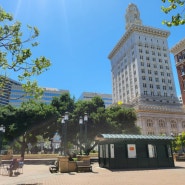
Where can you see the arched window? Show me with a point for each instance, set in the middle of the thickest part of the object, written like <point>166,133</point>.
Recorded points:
<point>149,123</point>
<point>183,124</point>
<point>162,123</point>
<point>173,124</point>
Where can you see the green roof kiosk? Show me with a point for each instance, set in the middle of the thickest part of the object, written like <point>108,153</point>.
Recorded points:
<point>121,151</point>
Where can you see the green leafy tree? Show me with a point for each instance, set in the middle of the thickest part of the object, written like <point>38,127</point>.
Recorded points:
<point>7,115</point>
<point>122,120</point>
<point>15,54</point>
<point>100,120</point>
<point>96,123</point>
<point>180,143</point>
<point>24,124</point>
<point>178,18</point>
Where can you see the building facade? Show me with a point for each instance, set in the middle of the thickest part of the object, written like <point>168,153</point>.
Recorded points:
<point>142,77</point>
<point>179,54</point>
<point>107,98</point>
<point>14,94</point>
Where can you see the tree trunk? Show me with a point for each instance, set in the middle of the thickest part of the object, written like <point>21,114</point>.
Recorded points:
<point>23,146</point>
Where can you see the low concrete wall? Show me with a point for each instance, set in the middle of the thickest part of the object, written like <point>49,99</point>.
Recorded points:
<point>72,166</point>
<point>66,166</point>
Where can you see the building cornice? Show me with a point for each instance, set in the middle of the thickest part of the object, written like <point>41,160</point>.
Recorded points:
<point>178,47</point>
<point>159,112</point>
<point>141,29</point>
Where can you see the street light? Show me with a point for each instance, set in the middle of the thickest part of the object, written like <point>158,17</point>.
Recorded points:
<point>64,130</point>
<point>2,130</point>
<point>80,138</point>
<point>83,120</point>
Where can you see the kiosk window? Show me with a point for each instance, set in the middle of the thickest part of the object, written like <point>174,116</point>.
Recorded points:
<point>169,151</point>
<point>152,151</point>
<point>131,150</point>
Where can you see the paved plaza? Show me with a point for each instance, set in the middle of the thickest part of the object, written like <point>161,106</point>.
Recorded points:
<point>40,175</point>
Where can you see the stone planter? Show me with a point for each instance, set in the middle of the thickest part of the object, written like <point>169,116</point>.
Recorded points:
<point>83,158</point>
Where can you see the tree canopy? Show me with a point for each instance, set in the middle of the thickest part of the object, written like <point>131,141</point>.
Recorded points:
<point>27,123</point>
<point>178,10</point>
<point>15,54</point>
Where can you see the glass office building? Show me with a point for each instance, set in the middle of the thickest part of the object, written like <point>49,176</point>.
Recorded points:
<point>107,98</point>
<point>13,94</point>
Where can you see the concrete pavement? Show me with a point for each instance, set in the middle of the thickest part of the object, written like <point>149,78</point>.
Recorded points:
<point>40,175</point>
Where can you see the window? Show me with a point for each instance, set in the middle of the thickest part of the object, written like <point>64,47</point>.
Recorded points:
<point>152,151</point>
<point>173,124</point>
<point>150,133</point>
<point>151,86</point>
<point>162,73</point>
<point>162,124</point>
<point>164,87</point>
<point>101,151</point>
<point>169,151</point>
<point>183,124</point>
<point>144,84</point>
<point>149,123</point>
<point>131,148</point>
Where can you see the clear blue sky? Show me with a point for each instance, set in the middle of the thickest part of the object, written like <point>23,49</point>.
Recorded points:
<point>78,35</point>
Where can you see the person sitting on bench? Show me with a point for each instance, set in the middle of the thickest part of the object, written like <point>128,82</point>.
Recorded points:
<point>13,166</point>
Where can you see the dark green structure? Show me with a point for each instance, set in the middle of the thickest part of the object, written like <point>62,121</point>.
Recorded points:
<point>119,151</point>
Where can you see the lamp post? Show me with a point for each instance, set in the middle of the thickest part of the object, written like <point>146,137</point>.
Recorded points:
<point>80,138</point>
<point>64,130</point>
<point>85,122</point>
<point>2,130</point>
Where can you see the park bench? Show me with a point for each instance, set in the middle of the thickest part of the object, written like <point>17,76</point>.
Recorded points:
<point>53,168</point>
<point>83,166</point>
<point>180,158</point>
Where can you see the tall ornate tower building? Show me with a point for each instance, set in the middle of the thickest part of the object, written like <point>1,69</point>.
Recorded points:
<point>142,77</point>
